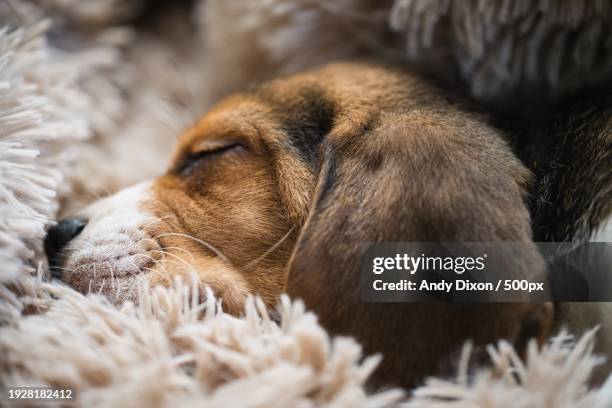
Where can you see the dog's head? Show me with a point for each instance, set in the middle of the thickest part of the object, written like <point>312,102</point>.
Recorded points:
<point>236,194</point>
<point>276,189</point>
<point>229,207</point>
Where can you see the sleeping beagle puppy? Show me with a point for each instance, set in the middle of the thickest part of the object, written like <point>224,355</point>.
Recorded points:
<point>275,190</point>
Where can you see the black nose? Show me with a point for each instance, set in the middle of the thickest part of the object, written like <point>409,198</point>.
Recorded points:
<point>58,237</point>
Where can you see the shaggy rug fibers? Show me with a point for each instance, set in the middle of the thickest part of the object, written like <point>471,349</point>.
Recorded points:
<point>81,92</point>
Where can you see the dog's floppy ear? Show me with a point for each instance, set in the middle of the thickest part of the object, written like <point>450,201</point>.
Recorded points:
<point>412,177</point>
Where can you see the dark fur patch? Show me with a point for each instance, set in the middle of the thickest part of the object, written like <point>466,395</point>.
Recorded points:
<point>571,157</point>
<point>331,176</point>
<point>307,117</point>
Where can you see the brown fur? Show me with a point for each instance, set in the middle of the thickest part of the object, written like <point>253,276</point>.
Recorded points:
<point>299,172</point>
<point>348,154</point>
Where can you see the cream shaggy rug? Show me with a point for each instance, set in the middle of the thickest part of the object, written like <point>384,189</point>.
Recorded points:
<point>84,84</point>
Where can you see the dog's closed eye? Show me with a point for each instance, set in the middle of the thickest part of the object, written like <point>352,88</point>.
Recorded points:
<point>207,153</point>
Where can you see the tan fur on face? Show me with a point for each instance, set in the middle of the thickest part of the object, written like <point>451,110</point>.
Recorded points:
<point>231,200</point>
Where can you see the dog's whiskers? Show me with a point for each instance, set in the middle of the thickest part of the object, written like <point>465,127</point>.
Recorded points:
<point>162,261</point>
<point>158,219</point>
<point>189,266</point>
<point>180,249</point>
<point>154,261</point>
<point>203,243</point>
<point>271,249</point>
